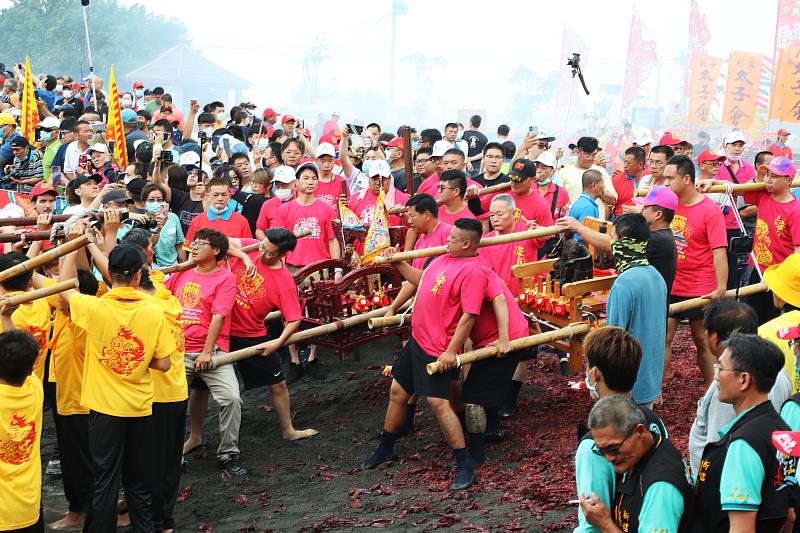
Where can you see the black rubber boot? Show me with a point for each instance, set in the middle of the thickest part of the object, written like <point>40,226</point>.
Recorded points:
<point>465,470</point>
<point>510,401</point>
<point>384,452</point>
<point>477,448</point>
<point>494,433</point>
<point>408,425</point>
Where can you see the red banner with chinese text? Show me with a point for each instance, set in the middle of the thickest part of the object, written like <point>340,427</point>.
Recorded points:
<point>642,58</point>
<point>703,87</point>
<point>741,92</point>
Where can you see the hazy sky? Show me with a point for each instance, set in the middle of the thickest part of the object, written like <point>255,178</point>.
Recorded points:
<point>480,41</point>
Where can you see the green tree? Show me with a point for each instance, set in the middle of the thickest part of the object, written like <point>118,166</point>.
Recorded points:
<point>51,33</point>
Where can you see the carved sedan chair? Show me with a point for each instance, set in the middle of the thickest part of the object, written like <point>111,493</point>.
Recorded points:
<point>360,289</point>
<point>551,305</point>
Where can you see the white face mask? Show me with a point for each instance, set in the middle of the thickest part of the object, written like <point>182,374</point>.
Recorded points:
<point>209,132</point>
<point>59,88</point>
<point>67,94</point>
<point>734,158</point>
<point>283,194</point>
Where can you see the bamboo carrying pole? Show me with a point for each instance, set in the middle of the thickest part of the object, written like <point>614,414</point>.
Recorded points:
<point>396,210</point>
<point>246,249</point>
<point>737,188</point>
<point>30,221</point>
<point>537,233</point>
<point>518,344</point>
<point>46,257</point>
<point>29,236</point>
<point>302,336</point>
<point>44,292</point>
<point>696,303</point>
<point>388,322</point>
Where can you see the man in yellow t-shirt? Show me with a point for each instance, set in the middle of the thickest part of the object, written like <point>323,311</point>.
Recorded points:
<point>784,282</point>
<point>21,398</point>
<point>168,423</point>
<point>33,317</point>
<point>67,346</point>
<point>124,339</point>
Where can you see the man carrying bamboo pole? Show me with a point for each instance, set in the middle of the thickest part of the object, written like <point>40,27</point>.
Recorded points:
<point>449,299</point>
<point>701,242</point>
<point>208,294</point>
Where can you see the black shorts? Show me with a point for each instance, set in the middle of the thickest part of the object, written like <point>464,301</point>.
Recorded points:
<point>410,372</point>
<point>488,379</point>
<point>688,315</point>
<point>257,371</point>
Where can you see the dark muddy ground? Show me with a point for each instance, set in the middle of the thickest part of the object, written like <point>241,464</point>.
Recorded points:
<point>316,485</point>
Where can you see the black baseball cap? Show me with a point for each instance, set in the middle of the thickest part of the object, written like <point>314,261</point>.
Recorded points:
<point>83,178</point>
<point>135,187</point>
<point>116,195</point>
<point>522,169</point>
<point>20,142</point>
<point>126,259</point>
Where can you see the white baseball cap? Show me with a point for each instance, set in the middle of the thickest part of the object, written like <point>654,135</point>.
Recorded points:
<point>98,147</point>
<point>542,136</point>
<point>49,123</point>
<point>547,159</point>
<point>283,174</point>
<point>735,136</point>
<point>439,148</point>
<point>642,138</point>
<point>326,149</point>
<point>379,167</point>
<point>189,158</point>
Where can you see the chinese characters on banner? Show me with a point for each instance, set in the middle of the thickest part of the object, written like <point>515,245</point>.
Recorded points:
<point>785,102</point>
<point>741,93</point>
<point>703,88</point>
<point>787,31</point>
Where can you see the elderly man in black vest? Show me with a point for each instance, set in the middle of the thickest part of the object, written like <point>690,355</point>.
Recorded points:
<point>652,492</point>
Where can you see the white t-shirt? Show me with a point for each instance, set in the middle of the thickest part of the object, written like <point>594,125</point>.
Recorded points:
<point>571,178</point>
<point>72,157</point>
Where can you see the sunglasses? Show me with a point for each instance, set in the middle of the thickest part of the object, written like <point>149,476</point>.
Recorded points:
<point>614,449</point>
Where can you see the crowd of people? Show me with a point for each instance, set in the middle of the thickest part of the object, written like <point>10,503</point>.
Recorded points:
<point>127,355</point>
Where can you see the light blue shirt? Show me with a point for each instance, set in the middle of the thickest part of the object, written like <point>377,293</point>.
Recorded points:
<point>742,474</point>
<point>593,474</point>
<point>638,303</point>
<point>171,235</point>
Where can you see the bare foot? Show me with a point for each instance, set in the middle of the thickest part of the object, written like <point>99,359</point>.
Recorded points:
<point>123,520</point>
<point>71,520</point>
<point>299,434</point>
<point>191,444</point>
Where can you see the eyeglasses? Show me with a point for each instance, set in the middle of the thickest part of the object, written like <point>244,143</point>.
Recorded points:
<point>443,188</point>
<point>614,449</point>
<point>422,161</point>
<point>196,245</point>
<point>543,146</point>
<point>713,164</point>
<point>656,162</point>
<point>718,368</point>
<point>493,157</point>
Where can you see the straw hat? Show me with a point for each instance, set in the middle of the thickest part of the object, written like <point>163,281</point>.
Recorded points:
<point>784,280</point>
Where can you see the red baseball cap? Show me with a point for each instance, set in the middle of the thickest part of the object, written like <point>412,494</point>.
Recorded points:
<point>332,137</point>
<point>287,118</point>
<point>42,188</point>
<point>138,85</point>
<point>708,155</point>
<point>269,112</point>
<point>783,132</point>
<point>397,142</point>
<point>670,139</point>
<point>789,333</point>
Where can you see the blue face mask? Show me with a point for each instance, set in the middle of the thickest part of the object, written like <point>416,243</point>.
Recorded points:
<point>138,93</point>
<point>365,166</point>
<point>415,145</point>
<point>547,181</point>
<point>218,212</point>
<point>46,136</point>
<point>389,159</point>
<point>152,207</point>
<point>262,144</point>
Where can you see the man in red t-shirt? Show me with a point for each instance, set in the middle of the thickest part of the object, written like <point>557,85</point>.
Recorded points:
<point>221,214</point>
<point>702,266</point>
<point>627,182</point>
<point>308,212</point>
<point>531,206</point>
<point>452,188</point>
<point>270,287</point>
<point>777,233</point>
<point>450,295</point>
<point>207,294</point>
<point>554,195</point>
<point>331,186</point>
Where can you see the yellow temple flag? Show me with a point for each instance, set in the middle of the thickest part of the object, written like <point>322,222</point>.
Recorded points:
<point>30,113</point>
<point>114,130</point>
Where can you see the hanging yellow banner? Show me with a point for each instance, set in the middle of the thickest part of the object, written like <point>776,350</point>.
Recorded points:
<point>785,98</point>
<point>703,87</point>
<point>741,92</point>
